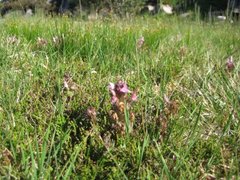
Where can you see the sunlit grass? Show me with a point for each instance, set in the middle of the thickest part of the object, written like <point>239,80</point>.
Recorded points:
<point>46,89</point>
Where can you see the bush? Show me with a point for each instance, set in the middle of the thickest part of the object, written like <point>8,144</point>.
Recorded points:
<point>124,7</point>
<point>119,7</point>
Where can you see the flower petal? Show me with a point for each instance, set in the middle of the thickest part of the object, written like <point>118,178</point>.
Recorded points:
<point>114,99</point>
<point>111,88</point>
<point>134,96</point>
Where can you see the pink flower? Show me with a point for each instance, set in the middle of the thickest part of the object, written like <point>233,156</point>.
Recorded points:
<point>140,42</point>
<point>118,89</point>
<point>114,99</point>
<point>121,88</point>
<point>111,88</point>
<point>230,64</point>
<point>118,92</point>
<point>134,96</point>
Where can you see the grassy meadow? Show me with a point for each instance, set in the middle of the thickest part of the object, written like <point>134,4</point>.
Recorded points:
<point>56,116</point>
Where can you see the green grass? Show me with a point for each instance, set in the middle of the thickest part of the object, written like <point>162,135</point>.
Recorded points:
<point>46,134</point>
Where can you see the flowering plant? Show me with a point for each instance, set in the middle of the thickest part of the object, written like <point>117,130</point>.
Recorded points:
<point>230,64</point>
<point>121,103</point>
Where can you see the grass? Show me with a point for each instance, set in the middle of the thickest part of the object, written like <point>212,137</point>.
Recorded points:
<point>46,133</point>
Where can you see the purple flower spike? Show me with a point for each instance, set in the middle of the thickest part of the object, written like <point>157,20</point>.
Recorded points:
<point>121,88</point>
<point>134,96</point>
<point>230,64</point>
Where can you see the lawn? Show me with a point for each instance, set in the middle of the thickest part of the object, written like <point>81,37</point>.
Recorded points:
<point>138,98</point>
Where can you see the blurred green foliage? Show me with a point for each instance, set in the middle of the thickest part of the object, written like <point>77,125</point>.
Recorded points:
<point>123,7</point>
